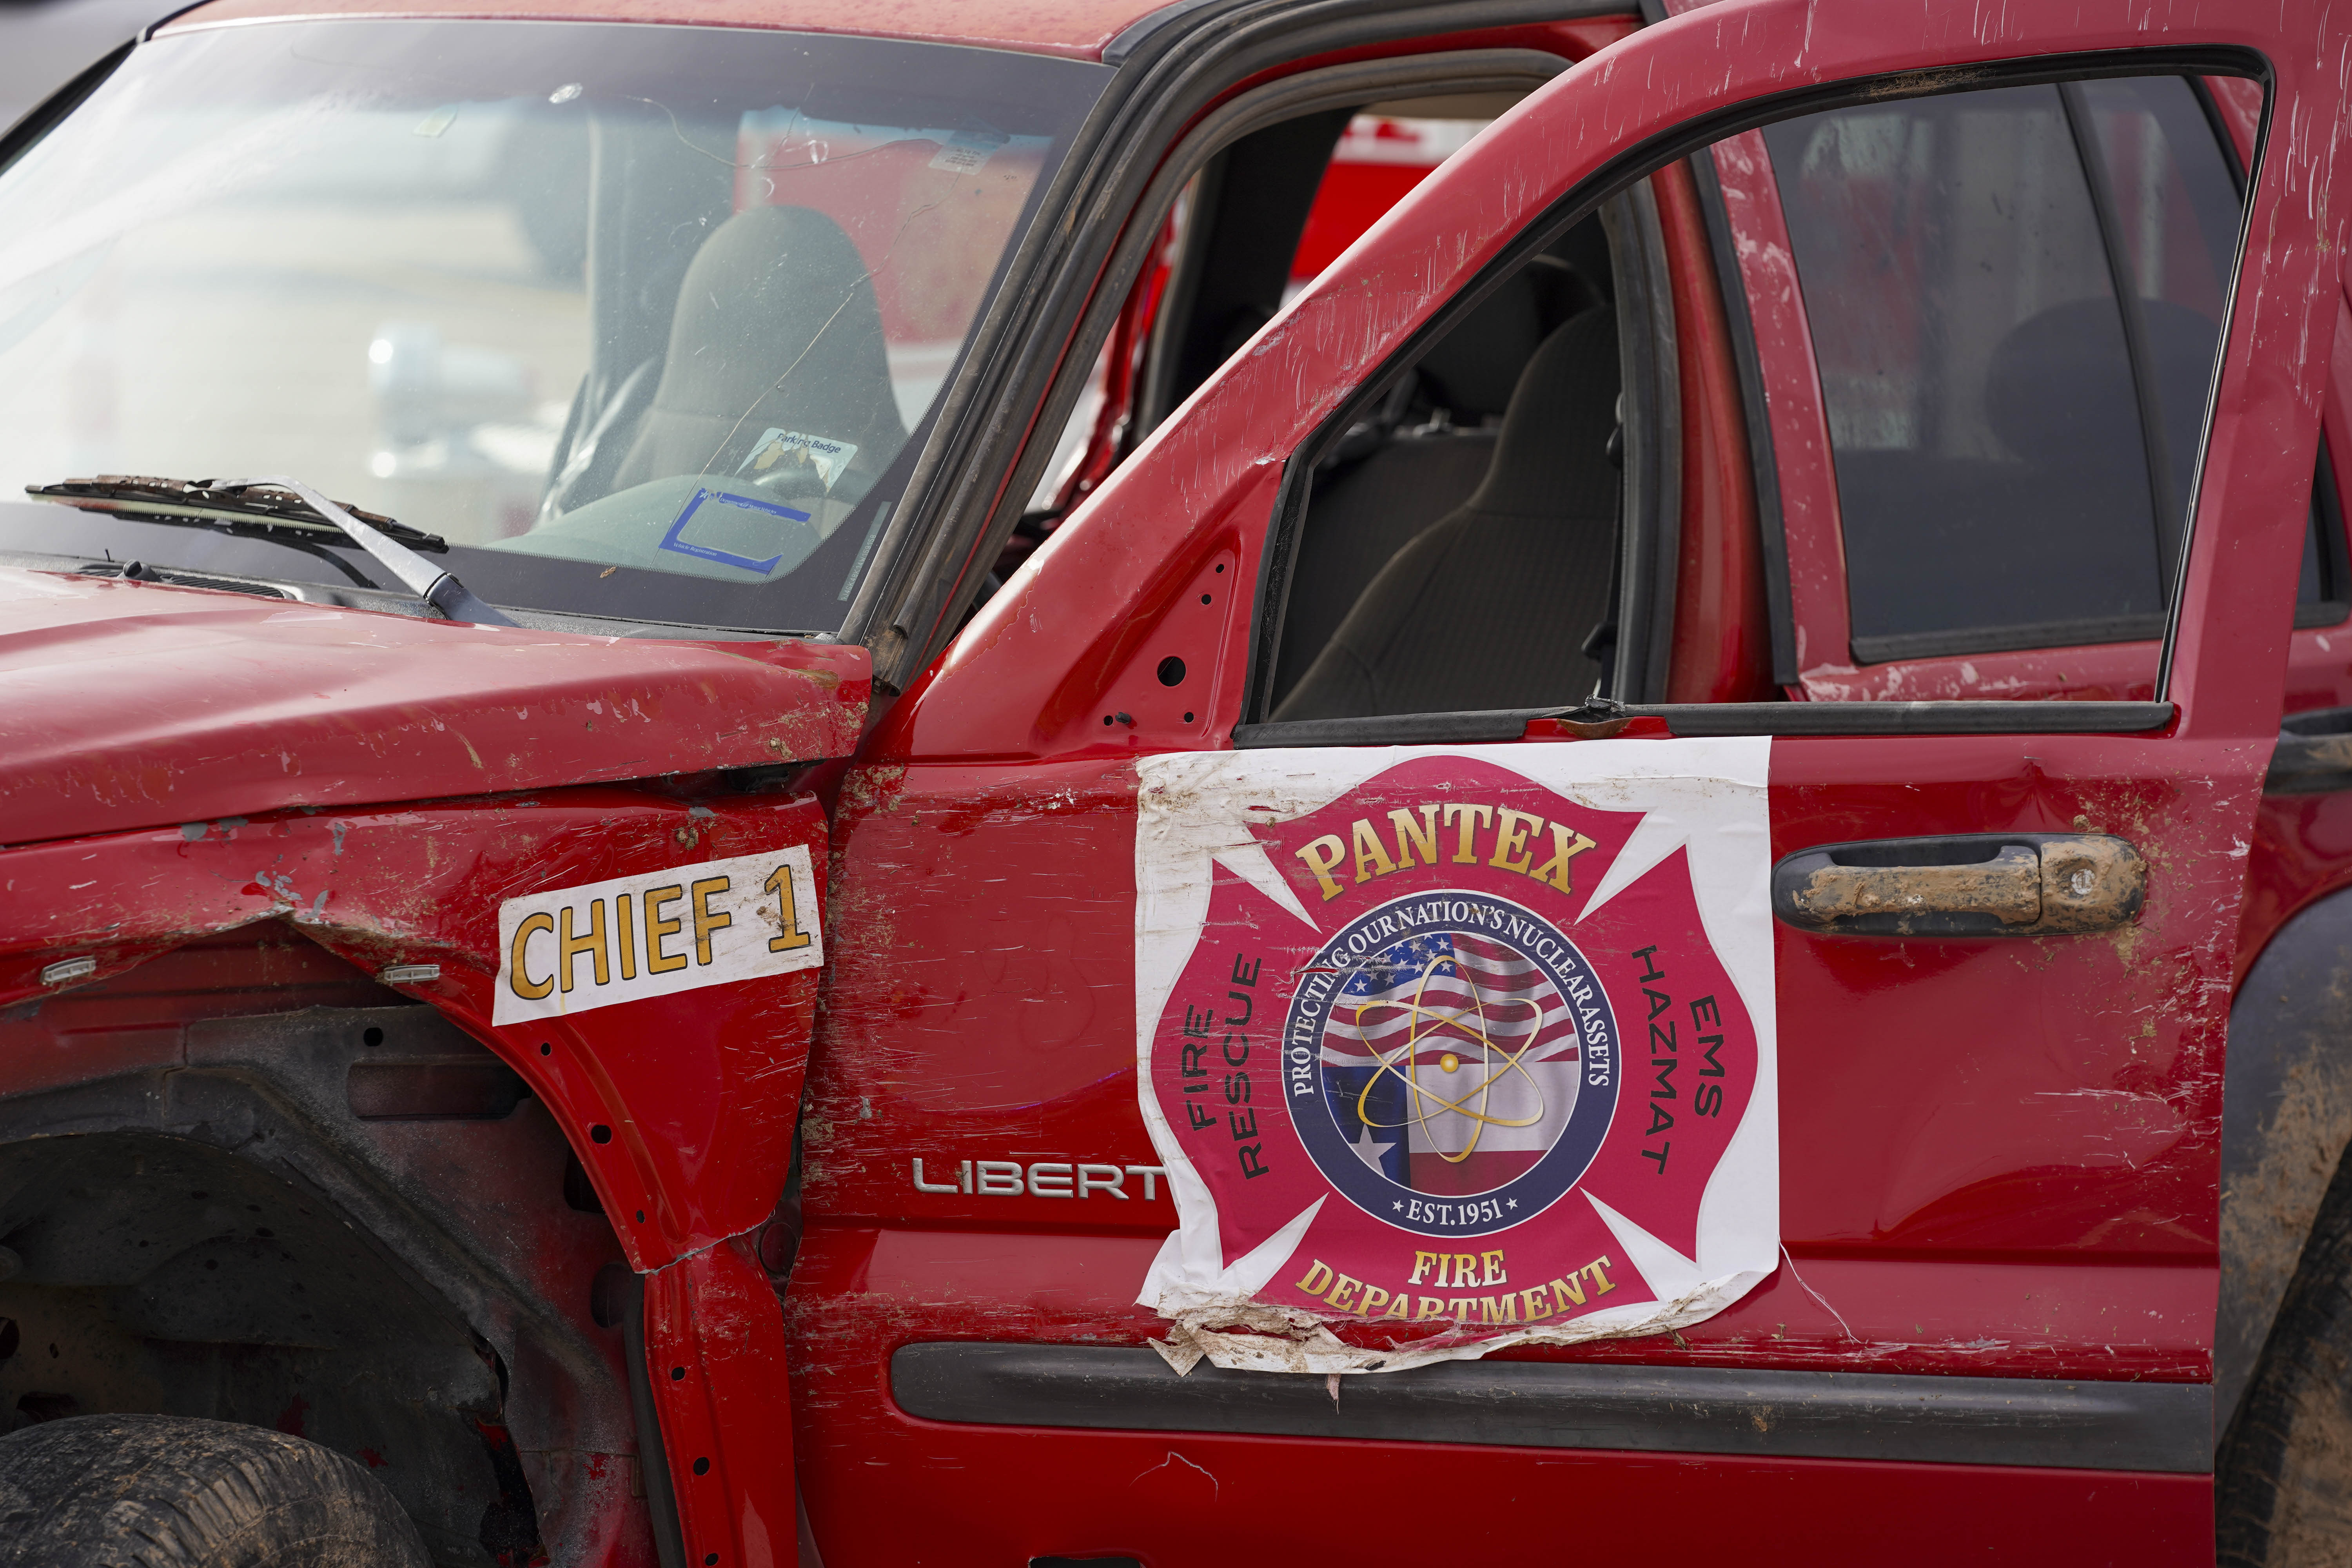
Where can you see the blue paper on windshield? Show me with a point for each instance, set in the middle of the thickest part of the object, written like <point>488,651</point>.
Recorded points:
<point>719,501</point>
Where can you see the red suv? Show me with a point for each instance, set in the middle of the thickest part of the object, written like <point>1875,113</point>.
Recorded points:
<point>917,784</point>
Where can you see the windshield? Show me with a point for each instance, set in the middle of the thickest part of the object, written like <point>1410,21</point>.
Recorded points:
<point>641,321</point>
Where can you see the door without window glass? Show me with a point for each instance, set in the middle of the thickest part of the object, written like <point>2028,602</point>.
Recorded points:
<point>2015,344</point>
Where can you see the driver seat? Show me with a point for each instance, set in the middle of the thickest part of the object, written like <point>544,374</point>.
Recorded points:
<point>776,327</point>
<point>1490,606</point>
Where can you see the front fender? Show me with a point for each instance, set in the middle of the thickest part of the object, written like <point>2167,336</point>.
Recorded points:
<point>681,1106</point>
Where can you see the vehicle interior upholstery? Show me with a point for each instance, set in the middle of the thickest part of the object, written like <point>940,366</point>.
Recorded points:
<point>1459,544</point>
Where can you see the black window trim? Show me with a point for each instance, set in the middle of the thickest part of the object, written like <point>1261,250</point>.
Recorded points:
<point>2033,637</point>
<point>17,140</point>
<point>2334,605</point>
<point>2180,578</point>
<point>1690,718</point>
<point>1619,174</point>
<point>1649,514</point>
<point>1645,328</point>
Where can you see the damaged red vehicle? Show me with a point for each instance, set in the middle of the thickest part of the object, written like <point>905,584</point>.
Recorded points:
<point>681,685</point>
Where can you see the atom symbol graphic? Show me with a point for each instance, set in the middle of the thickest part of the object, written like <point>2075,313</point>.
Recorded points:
<point>1429,1021</point>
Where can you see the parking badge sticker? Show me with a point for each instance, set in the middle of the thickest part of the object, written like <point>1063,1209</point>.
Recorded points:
<point>1458,1048</point>
<point>570,949</point>
<point>967,151</point>
<point>779,455</point>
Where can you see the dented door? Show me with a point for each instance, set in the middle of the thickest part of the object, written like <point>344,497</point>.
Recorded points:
<point>1911,1015</point>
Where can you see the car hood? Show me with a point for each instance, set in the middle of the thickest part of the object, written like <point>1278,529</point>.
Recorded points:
<point>129,704</point>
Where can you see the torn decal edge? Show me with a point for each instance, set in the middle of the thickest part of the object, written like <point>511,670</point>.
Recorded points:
<point>1206,824</point>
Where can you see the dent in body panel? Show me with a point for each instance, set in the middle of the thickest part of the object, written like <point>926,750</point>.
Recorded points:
<point>680,1107</point>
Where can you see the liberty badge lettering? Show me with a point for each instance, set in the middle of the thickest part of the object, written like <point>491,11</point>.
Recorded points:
<point>1462,1050</point>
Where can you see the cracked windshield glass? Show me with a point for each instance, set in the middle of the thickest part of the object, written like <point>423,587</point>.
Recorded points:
<point>636,321</point>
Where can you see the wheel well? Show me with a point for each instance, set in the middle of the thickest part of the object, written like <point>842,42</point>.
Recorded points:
<point>2286,1118</point>
<point>349,1222</point>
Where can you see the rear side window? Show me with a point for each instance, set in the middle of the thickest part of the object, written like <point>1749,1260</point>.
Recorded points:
<point>2015,298</point>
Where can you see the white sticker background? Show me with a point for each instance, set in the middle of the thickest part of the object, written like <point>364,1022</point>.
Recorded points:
<point>658,933</point>
<point>1705,796</point>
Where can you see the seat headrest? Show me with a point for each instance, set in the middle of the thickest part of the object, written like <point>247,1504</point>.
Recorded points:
<point>1472,370</point>
<point>776,326</point>
<point>2058,391</point>
<point>1552,457</point>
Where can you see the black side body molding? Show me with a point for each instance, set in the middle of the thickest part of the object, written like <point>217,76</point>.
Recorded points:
<point>2143,1426</point>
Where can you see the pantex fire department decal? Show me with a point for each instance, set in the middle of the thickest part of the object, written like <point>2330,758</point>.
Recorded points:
<point>1468,1048</point>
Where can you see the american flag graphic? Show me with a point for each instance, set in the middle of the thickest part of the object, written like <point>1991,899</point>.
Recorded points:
<point>1450,1063</point>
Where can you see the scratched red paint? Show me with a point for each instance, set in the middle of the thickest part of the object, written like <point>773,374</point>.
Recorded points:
<point>352,706</point>
<point>1982,1180</point>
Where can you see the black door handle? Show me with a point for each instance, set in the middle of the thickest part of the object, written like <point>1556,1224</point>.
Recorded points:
<point>2315,753</point>
<point>1968,884</point>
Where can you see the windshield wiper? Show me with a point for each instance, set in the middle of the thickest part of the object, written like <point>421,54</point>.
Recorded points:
<point>251,502</point>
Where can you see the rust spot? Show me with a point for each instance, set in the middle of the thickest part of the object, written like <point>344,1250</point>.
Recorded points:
<point>2095,882</point>
<point>1918,84</point>
<point>2008,888</point>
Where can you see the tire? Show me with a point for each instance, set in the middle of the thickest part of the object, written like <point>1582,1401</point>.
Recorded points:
<point>170,1491</point>
<point>2283,1491</point>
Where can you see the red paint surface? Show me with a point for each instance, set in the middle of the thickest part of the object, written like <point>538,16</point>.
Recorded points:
<point>1721,649</point>
<point>2303,843</point>
<point>886,1488</point>
<point>128,704</point>
<point>1793,400</point>
<point>1075,28</point>
<point>697,1090</point>
<point>1998,1158</point>
<point>698,1087</point>
<point>715,1350</point>
<point>1185,1500</point>
<point>1350,199</point>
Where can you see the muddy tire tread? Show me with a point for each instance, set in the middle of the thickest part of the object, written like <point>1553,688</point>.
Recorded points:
<point>2282,1483</point>
<point>161,1491</point>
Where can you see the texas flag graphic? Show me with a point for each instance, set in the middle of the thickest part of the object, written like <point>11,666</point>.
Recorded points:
<point>1450,1063</point>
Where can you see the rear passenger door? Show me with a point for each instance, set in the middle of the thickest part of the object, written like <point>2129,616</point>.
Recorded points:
<point>1985,332</point>
<point>1910,1105</point>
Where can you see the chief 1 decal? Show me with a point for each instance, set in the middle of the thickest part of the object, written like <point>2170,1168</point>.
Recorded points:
<point>568,949</point>
<point>1462,1048</point>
